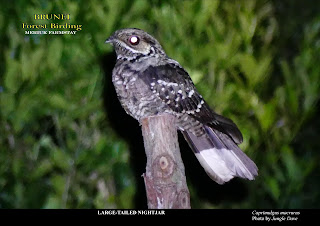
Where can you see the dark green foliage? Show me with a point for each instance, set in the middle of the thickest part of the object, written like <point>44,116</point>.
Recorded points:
<point>256,62</point>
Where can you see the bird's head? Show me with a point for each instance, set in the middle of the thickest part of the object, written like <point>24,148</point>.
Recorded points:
<point>132,42</point>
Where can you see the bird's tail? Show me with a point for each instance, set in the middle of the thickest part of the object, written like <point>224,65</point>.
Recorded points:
<point>221,158</point>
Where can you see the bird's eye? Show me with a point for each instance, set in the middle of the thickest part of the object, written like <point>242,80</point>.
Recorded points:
<point>134,40</point>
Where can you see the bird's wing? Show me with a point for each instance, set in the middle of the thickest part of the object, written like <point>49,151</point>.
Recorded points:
<point>174,87</point>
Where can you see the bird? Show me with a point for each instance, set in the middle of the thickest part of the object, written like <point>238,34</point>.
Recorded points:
<point>149,83</point>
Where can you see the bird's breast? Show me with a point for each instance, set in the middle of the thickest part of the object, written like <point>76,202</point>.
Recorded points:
<point>134,94</point>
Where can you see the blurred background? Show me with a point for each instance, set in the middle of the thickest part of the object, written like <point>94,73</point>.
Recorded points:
<point>65,142</point>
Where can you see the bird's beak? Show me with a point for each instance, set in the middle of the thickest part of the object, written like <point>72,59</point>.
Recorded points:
<point>110,39</point>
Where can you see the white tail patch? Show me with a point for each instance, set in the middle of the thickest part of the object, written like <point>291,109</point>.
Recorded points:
<point>216,163</point>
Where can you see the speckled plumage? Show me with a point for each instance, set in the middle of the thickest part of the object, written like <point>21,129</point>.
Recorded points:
<point>148,83</point>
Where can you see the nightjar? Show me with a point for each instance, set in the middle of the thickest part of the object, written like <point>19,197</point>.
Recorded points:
<point>148,83</point>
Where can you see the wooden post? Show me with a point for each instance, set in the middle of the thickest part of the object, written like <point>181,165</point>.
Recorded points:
<point>164,179</point>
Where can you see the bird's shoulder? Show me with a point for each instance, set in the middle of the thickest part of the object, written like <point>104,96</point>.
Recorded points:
<point>173,85</point>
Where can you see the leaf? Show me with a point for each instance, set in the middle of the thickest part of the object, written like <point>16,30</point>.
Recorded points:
<point>58,184</point>
<point>54,54</point>
<point>293,168</point>
<point>266,114</point>
<point>248,65</point>
<point>12,79</point>
<point>41,169</point>
<point>61,159</point>
<point>53,202</point>
<point>58,101</point>
<point>30,63</point>
<point>273,187</point>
